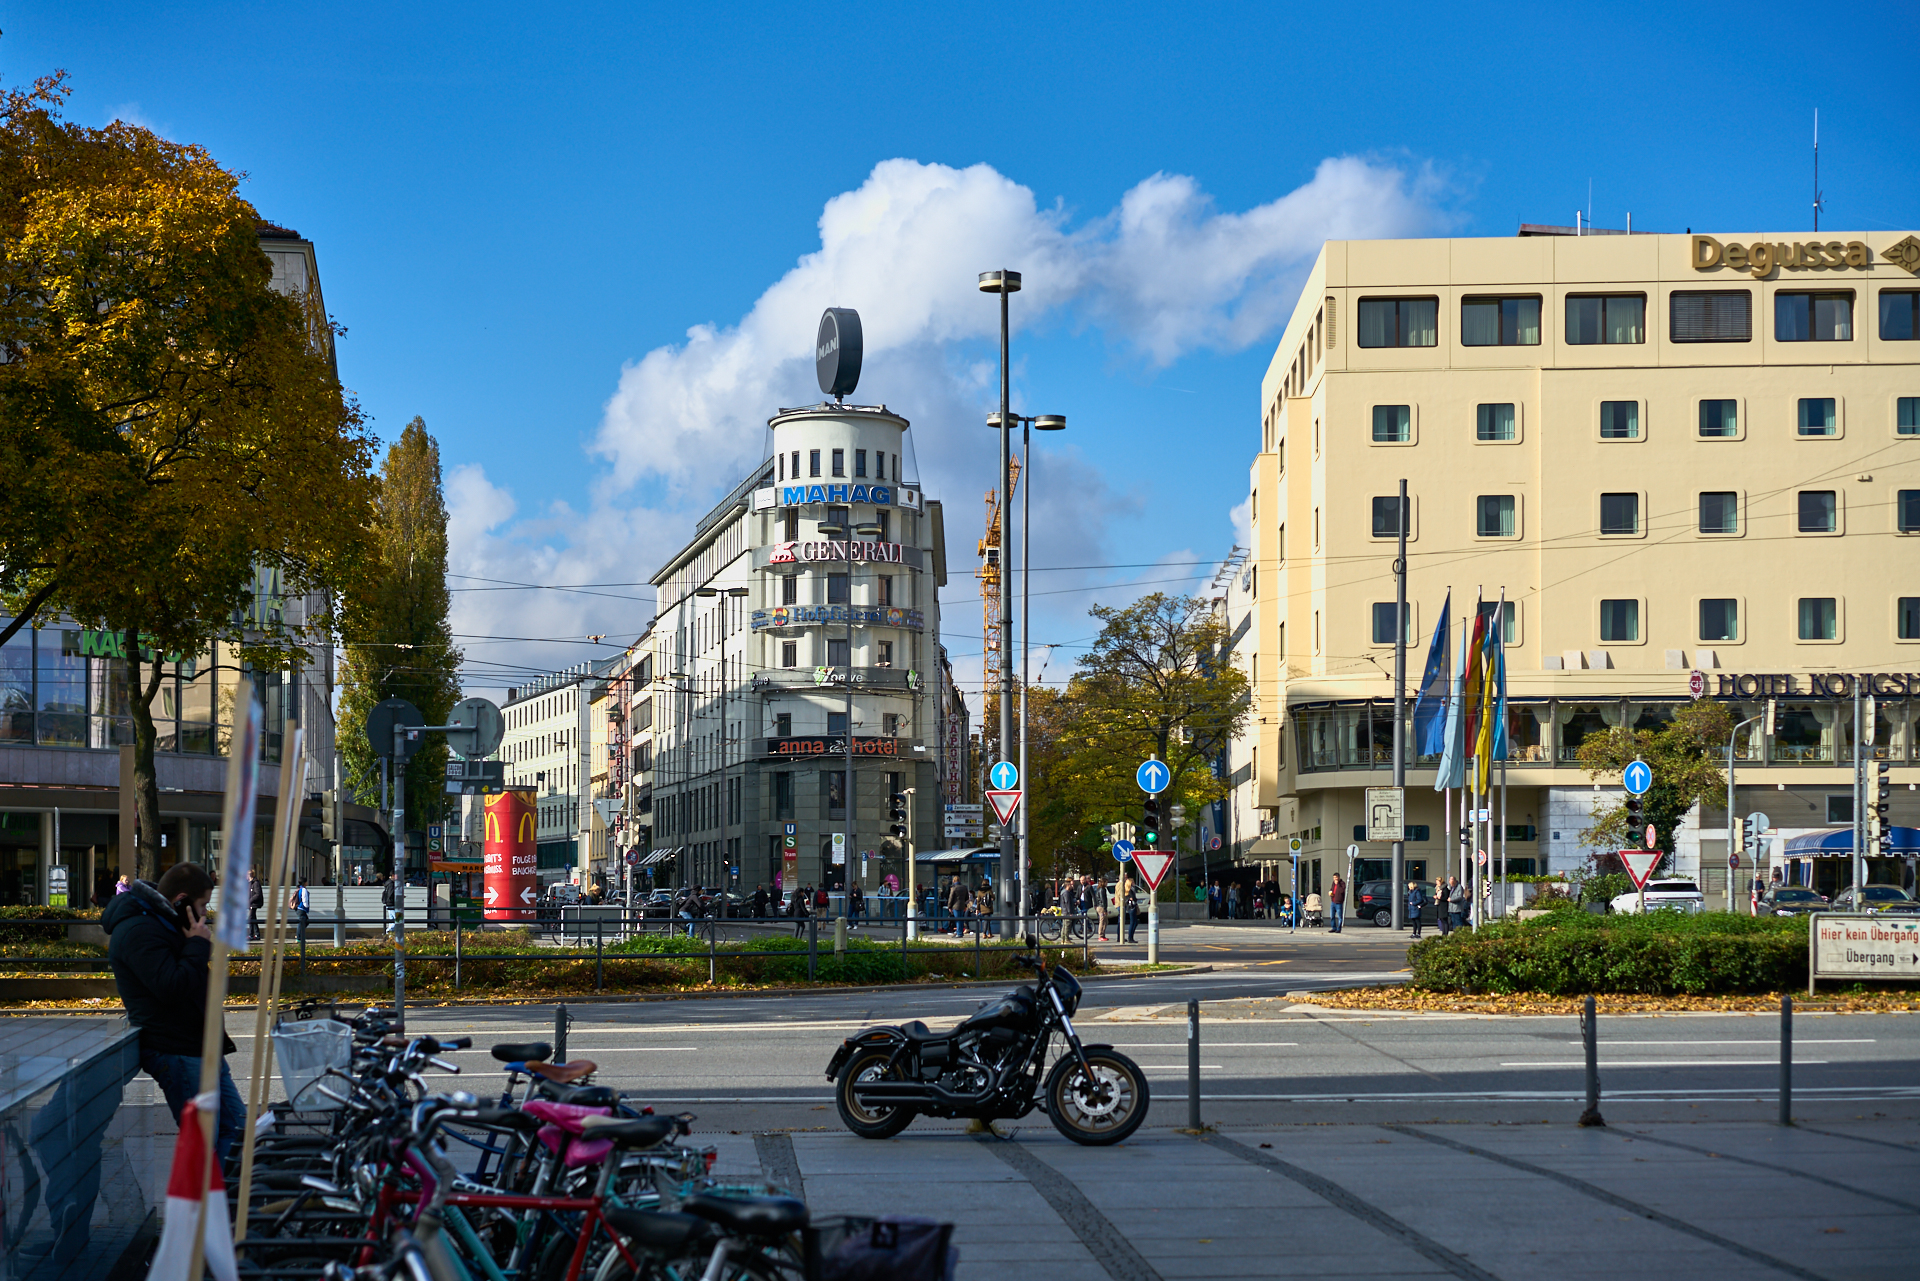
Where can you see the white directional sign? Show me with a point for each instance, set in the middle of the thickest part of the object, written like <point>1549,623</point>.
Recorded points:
<point>1386,813</point>
<point>1153,867</point>
<point>1866,947</point>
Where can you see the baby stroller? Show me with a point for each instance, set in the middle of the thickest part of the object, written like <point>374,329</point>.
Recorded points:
<point>1311,912</point>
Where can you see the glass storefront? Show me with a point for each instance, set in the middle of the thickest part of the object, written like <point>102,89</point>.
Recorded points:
<point>19,858</point>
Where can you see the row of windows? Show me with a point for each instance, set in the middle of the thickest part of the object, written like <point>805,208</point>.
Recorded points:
<point>1816,618</point>
<point>1694,315</point>
<point>1814,417</point>
<point>1817,511</point>
<point>791,471</point>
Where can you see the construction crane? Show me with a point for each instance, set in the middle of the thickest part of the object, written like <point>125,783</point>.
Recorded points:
<point>989,576</point>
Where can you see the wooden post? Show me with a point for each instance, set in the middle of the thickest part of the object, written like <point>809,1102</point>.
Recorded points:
<point>236,818</point>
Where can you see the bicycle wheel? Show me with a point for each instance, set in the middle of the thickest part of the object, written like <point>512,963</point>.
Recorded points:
<point>1050,928</point>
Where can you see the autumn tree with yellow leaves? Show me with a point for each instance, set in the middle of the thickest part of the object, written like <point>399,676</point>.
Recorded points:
<point>169,426</point>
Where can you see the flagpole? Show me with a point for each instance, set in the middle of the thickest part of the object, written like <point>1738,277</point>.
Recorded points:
<point>1398,892</point>
<point>1506,742</point>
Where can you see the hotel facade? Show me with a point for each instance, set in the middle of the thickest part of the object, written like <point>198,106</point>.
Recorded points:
<point>1671,454</point>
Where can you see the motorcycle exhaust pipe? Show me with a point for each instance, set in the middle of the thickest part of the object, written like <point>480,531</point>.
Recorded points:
<point>912,1092</point>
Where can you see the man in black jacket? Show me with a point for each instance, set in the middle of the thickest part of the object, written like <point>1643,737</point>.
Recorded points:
<point>158,944</point>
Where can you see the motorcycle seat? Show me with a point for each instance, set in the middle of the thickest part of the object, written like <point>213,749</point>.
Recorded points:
<point>918,1031</point>
<point>768,1216</point>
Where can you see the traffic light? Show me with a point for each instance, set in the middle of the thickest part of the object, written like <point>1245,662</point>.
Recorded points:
<point>1740,837</point>
<point>330,815</point>
<point>897,815</point>
<point>1150,825</point>
<point>1636,819</point>
<point>1882,811</point>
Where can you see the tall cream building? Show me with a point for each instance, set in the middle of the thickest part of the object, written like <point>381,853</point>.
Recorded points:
<point>1673,453</point>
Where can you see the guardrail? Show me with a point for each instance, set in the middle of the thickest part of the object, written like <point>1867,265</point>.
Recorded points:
<point>569,928</point>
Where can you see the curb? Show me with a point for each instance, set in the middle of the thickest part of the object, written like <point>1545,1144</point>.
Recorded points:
<point>656,997</point>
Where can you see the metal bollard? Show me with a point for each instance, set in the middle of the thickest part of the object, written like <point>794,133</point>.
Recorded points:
<point>712,957</point>
<point>1590,1037</point>
<point>457,933</point>
<point>560,1021</point>
<point>1193,1065</point>
<point>813,946</point>
<point>976,951</point>
<point>599,958</point>
<point>1786,1059</point>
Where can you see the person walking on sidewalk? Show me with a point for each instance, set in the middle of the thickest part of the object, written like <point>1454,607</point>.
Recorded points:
<point>1416,901</point>
<point>302,907</point>
<point>1099,891</point>
<point>957,904</point>
<point>256,899</point>
<point>1443,898</point>
<point>1456,904</point>
<point>856,905</point>
<point>1337,897</point>
<point>1129,908</point>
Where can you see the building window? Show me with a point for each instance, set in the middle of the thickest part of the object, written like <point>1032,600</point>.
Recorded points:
<point>837,651</point>
<point>1399,322</point>
<point>1839,809</point>
<point>813,462</point>
<point>1494,516</point>
<point>1620,621</point>
<point>1711,315</point>
<point>1907,615</point>
<point>1819,416</point>
<point>1619,420</point>
<point>1619,513</point>
<point>794,471</point>
<point>1608,318</point>
<point>783,725</point>
<point>884,519</point>
<point>1506,609</point>
<point>833,783</point>
<point>1500,322</point>
<point>836,722</point>
<point>836,589</point>
<point>890,726</point>
<point>879,465</point>
<point>1392,424</point>
<point>1899,315</point>
<point>1720,620</point>
<point>789,653</point>
<point>883,589</point>
<point>1906,511</point>
<point>859,463</point>
<point>1906,416</point>
<point>1493,422</point>
<point>1813,317</point>
<point>1719,419</point>
<point>1819,511</point>
<point>885,653</point>
<point>839,462</point>
<point>1386,518</point>
<point>791,523</point>
<point>1819,618</point>
<point>1383,612</point>
<point>1720,512</point>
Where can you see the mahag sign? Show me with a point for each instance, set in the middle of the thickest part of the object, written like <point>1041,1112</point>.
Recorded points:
<point>803,495</point>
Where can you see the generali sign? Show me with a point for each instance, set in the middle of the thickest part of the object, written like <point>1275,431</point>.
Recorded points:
<point>855,550</point>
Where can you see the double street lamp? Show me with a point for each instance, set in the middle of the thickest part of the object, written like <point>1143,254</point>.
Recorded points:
<point>1012,896</point>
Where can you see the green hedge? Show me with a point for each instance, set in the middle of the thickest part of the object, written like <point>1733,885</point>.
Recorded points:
<point>1572,952</point>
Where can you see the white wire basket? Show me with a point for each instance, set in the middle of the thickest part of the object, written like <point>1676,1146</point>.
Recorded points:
<point>305,1052</point>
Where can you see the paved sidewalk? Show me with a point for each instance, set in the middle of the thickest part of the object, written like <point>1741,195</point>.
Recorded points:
<point>1470,1201</point>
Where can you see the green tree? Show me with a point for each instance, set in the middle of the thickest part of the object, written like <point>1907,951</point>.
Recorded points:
<point>1686,755</point>
<point>400,644</point>
<point>1155,683</point>
<point>178,432</point>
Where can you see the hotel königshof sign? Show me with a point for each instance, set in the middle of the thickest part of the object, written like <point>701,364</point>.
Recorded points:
<point>1814,684</point>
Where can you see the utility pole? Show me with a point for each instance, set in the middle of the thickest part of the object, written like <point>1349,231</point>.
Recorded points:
<point>399,772</point>
<point>1399,890</point>
<point>1860,757</point>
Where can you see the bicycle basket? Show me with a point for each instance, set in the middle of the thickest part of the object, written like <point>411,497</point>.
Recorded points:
<point>854,1248</point>
<point>305,1051</point>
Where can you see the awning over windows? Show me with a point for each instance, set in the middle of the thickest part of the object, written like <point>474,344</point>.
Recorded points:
<point>1837,842</point>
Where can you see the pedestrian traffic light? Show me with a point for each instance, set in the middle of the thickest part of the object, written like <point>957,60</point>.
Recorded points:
<point>1150,824</point>
<point>897,815</point>
<point>329,815</point>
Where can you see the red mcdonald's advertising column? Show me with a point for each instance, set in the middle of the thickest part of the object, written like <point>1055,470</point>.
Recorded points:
<point>510,855</point>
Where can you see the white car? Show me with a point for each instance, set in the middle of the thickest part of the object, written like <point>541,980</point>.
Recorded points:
<point>1673,896</point>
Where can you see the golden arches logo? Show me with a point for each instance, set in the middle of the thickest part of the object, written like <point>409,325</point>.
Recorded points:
<point>527,828</point>
<point>493,828</point>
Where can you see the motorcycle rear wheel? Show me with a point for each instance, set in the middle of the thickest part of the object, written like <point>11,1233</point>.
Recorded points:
<point>869,1121</point>
<point>1103,1111</point>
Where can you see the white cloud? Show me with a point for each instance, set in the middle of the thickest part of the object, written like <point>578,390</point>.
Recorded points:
<point>1161,275</point>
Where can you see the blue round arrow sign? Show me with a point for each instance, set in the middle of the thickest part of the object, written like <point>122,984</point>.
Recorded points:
<point>1123,850</point>
<point>1153,777</point>
<point>1005,776</point>
<point>1637,777</point>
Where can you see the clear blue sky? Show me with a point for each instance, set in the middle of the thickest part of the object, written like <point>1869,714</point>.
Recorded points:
<point>512,203</point>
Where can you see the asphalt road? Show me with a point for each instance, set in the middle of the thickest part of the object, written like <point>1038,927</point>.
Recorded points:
<point>1267,1056</point>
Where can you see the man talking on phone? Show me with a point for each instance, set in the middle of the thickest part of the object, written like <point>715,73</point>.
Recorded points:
<point>159,945</point>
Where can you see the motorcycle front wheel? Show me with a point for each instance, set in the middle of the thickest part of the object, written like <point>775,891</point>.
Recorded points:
<point>1103,1110</point>
<point>869,1121</point>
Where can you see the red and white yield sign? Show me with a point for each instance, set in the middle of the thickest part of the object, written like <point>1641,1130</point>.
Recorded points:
<point>1153,867</point>
<point>1004,802</point>
<point>1640,865</point>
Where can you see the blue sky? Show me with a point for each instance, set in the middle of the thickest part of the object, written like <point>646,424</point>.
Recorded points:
<point>515,205</point>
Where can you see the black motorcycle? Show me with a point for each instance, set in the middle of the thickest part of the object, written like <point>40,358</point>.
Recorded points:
<point>991,1067</point>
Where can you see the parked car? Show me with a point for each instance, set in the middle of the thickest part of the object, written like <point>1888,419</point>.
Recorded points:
<point>1791,900</point>
<point>1375,902</point>
<point>1879,900</point>
<point>1669,895</point>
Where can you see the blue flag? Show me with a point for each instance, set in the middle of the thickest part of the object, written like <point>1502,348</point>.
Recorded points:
<point>1430,708</point>
<point>1498,681</point>
<point>1453,735</point>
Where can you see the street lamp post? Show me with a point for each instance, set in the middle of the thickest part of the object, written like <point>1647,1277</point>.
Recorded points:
<point>1028,425</point>
<point>1004,283</point>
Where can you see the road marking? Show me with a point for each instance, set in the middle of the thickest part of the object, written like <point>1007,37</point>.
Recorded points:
<point>1178,1067</point>
<point>1676,1063</point>
<point>1798,1040</point>
<point>1214,1045</point>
